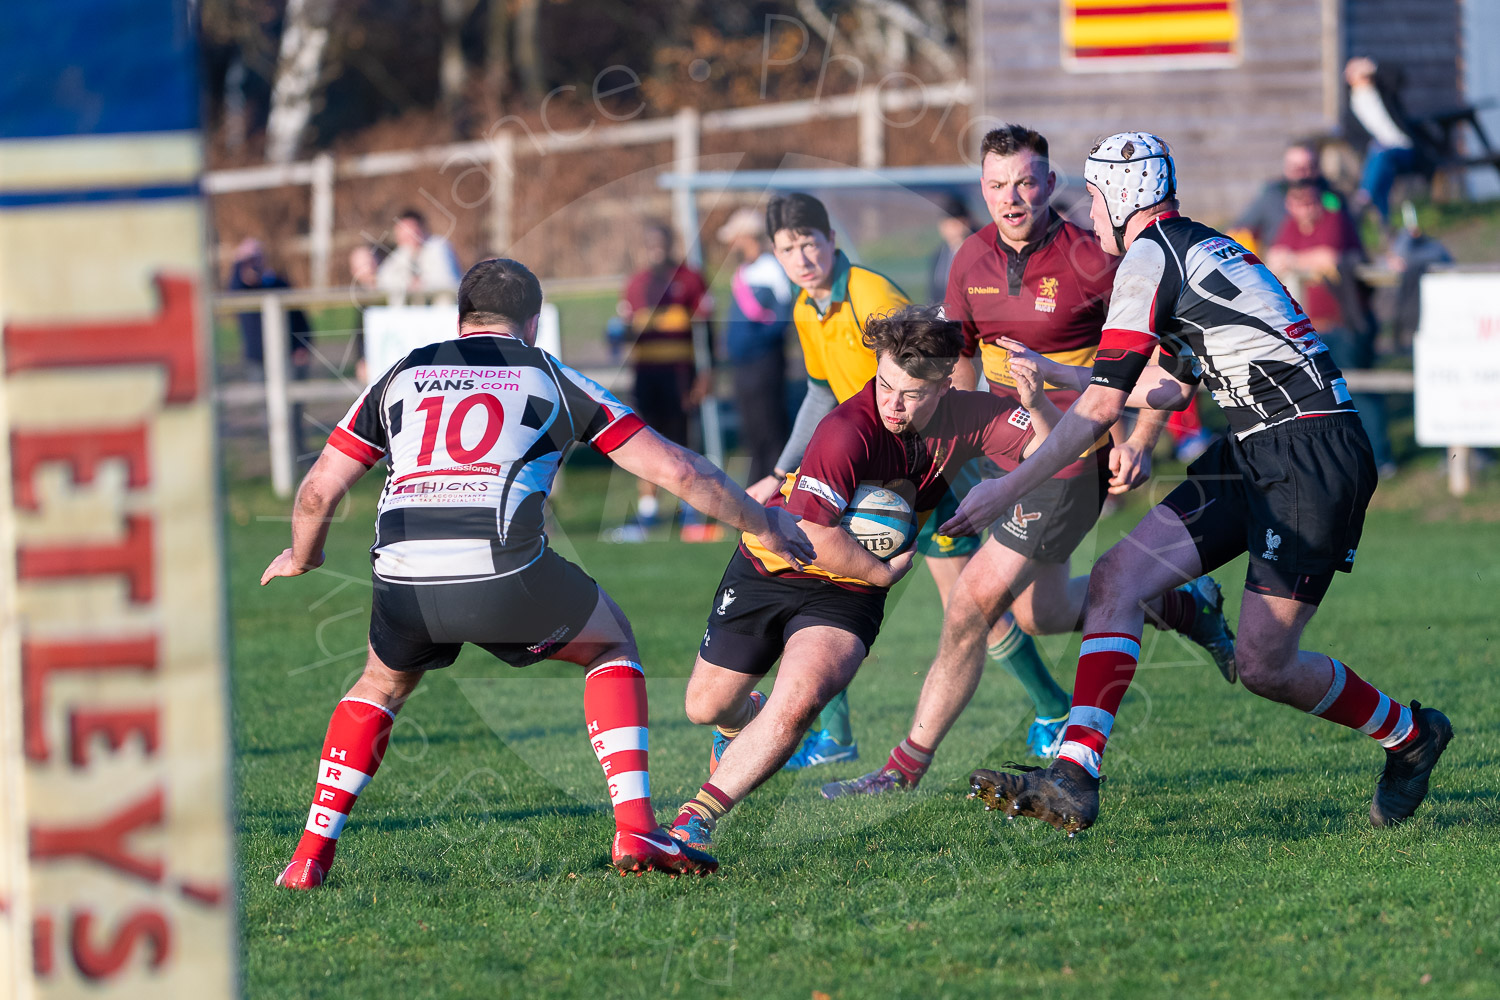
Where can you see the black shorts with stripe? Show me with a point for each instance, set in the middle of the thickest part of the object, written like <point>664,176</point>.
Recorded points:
<point>1048,523</point>
<point>1293,496</point>
<point>521,618</point>
<point>754,615</point>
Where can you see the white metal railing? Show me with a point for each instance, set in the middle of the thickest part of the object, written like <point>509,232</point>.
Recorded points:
<point>279,393</point>
<point>497,153</point>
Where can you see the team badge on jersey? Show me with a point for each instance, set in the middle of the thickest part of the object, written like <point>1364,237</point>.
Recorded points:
<point>1019,417</point>
<point>1046,295</point>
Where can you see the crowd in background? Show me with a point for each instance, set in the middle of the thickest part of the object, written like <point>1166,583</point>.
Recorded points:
<point>1306,226</point>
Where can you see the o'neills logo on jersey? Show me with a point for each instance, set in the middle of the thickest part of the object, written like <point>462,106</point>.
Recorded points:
<point>1046,296</point>
<point>983,290</point>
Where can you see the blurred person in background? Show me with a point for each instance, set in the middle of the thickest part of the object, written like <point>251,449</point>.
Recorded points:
<point>660,303</point>
<point>1258,225</point>
<point>1323,248</point>
<point>760,310</point>
<point>1375,102</point>
<point>250,272</point>
<point>1411,254</point>
<point>364,269</point>
<point>955,227</point>
<point>421,261</point>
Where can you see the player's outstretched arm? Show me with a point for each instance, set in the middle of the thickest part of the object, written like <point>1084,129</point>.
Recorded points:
<point>704,485</point>
<point>841,554</point>
<point>1075,377</point>
<point>312,512</point>
<point>1086,419</point>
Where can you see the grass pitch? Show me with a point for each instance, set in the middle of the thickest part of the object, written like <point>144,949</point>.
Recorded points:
<point>1233,857</point>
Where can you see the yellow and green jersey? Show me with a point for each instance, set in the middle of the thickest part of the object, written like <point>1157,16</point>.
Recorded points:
<point>832,345</point>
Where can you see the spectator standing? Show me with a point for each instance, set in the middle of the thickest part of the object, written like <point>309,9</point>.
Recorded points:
<point>760,309</point>
<point>955,227</point>
<point>660,304</point>
<point>1324,249</point>
<point>1411,254</point>
<point>421,262</point>
<point>250,272</point>
<point>1375,102</point>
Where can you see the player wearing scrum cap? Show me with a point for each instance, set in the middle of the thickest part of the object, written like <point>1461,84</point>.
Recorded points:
<point>473,430</point>
<point>906,431</point>
<point>1289,485</point>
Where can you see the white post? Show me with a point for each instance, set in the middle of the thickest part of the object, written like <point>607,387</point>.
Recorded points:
<point>871,130</point>
<point>502,190</point>
<point>1460,460</point>
<point>320,239</point>
<point>684,199</point>
<point>275,343</point>
<point>708,411</point>
<point>685,219</point>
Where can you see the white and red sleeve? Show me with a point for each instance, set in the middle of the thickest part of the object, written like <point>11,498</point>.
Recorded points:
<point>1131,329</point>
<point>362,433</point>
<point>599,418</point>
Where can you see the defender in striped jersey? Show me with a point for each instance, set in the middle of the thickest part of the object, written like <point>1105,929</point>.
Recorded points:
<point>1289,486</point>
<point>474,430</point>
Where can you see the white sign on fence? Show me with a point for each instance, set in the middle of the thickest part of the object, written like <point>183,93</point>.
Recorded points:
<point>1457,360</point>
<point>393,332</point>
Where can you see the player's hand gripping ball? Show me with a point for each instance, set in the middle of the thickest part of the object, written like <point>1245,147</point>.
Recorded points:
<point>879,519</point>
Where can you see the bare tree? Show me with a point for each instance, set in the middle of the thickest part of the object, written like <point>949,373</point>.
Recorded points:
<point>527,42</point>
<point>453,72</point>
<point>497,50</point>
<point>304,37</point>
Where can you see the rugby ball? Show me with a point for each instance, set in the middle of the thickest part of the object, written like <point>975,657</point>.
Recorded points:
<point>880,520</point>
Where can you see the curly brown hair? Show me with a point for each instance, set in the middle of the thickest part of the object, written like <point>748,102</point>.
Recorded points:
<point>919,339</point>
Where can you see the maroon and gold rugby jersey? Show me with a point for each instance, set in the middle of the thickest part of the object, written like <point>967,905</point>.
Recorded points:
<point>852,447</point>
<point>1052,296</point>
<point>662,309</point>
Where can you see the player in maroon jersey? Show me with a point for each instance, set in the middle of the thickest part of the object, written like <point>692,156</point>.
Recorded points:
<point>474,430</point>
<point>1288,487</point>
<point>1035,277</point>
<point>905,431</point>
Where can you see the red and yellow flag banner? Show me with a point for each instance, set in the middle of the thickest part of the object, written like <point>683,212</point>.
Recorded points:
<point>1149,34</point>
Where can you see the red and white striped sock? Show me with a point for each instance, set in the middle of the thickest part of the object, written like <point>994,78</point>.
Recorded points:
<point>614,708</point>
<point>356,741</point>
<point>1354,702</point>
<point>1106,665</point>
<point>911,759</point>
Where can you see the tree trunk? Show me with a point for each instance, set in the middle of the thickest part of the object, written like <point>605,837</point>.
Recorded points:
<point>497,51</point>
<point>528,48</point>
<point>304,37</point>
<point>453,73</point>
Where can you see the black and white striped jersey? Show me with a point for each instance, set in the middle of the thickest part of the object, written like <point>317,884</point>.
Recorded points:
<point>1216,313</point>
<point>474,430</point>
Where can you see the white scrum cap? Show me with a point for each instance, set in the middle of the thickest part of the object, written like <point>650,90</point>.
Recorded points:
<point>1133,170</point>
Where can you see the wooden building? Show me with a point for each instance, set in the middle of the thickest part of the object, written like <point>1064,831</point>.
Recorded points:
<point>1227,82</point>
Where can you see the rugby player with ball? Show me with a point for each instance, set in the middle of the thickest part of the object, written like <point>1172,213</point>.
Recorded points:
<point>887,451</point>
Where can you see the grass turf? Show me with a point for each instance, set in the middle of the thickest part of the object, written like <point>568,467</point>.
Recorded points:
<point>1233,857</point>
